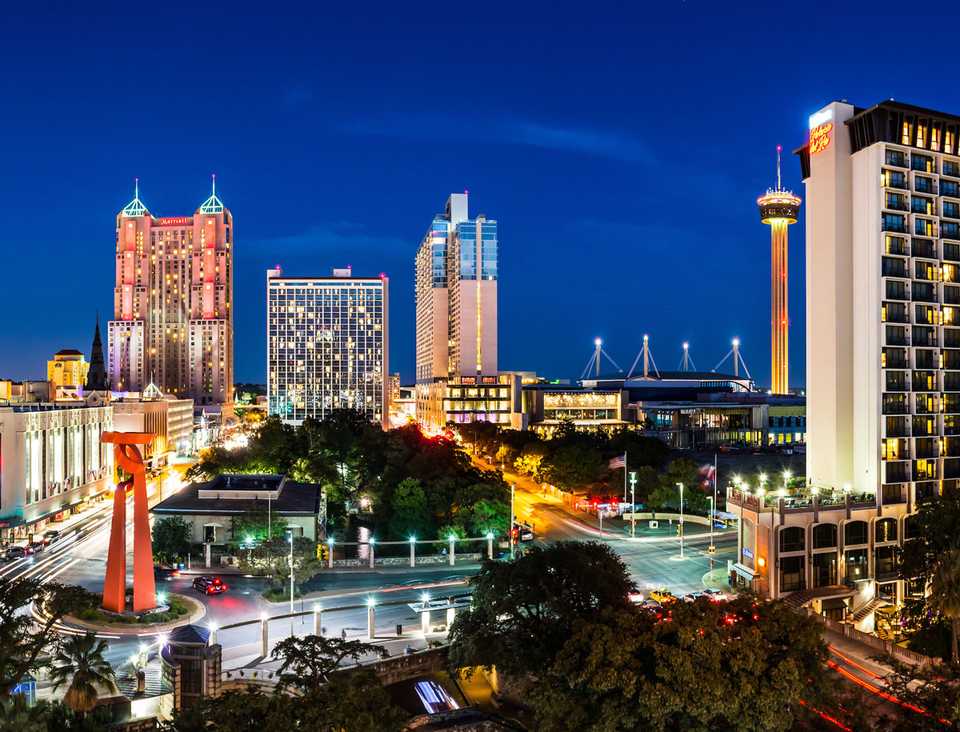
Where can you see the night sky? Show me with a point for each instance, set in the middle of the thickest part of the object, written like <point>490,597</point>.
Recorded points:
<point>621,147</point>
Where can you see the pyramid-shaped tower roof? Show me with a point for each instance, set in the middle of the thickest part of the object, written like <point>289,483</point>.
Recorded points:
<point>212,205</point>
<point>135,208</point>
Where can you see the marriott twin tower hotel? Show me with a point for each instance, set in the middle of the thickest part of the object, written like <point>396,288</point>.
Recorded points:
<point>883,361</point>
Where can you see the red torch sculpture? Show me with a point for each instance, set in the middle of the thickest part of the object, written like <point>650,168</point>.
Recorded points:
<point>128,457</point>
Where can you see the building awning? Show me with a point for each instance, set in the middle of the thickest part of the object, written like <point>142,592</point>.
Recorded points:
<point>744,571</point>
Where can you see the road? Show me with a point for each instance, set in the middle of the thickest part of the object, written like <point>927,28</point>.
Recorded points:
<point>653,558</point>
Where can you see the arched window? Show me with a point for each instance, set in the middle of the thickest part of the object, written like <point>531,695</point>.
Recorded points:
<point>792,539</point>
<point>855,532</point>
<point>825,536</point>
<point>911,527</point>
<point>885,529</point>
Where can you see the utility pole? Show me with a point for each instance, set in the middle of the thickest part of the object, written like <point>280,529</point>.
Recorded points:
<point>633,505</point>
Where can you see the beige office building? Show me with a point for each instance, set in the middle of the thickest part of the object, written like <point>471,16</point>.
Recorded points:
<point>456,311</point>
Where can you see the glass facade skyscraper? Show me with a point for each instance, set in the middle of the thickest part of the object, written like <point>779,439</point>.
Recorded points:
<point>456,293</point>
<point>327,343</point>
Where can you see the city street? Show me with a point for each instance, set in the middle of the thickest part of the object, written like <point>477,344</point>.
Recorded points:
<point>653,557</point>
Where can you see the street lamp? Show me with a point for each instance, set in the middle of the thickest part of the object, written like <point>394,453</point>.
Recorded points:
<point>291,571</point>
<point>633,504</point>
<point>712,548</point>
<point>513,518</point>
<point>680,486</point>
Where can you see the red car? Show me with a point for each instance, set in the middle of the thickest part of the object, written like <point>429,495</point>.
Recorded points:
<point>210,585</point>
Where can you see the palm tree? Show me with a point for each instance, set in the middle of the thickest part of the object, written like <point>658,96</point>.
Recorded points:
<point>945,596</point>
<point>80,661</point>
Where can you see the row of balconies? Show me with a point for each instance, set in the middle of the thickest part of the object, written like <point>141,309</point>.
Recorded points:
<point>895,335</point>
<point>925,225</point>
<point>926,165</point>
<point>896,202</point>
<point>921,247</point>
<point>918,425</point>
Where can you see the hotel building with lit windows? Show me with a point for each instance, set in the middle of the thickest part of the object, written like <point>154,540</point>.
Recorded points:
<point>883,359</point>
<point>327,345</point>
<point>456,321</point>
<point>173,303</point>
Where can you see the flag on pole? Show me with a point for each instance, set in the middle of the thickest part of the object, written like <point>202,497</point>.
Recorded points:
<point>620,461</point>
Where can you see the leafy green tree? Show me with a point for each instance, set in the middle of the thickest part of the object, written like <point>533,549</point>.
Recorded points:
<point>524,611</point>
<point>934,688</point>
<point>667,494</point>
<point>171,538</point>
<point>625,670</point>
<point>945,596</point>
<point>256,525</point>
<point>485,516</point>
<point>22,641</point>
<point>308,663</point>
<point>80,664</point>
<point>410,515</point>
<point>641,451</point>
<point>572,466</point>
<point>237,711</point>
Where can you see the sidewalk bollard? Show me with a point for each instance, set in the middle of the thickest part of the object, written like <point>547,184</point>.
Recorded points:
<point>330,553</point>
<point>317,619</point>
<point>413,551</point>
<point>264,635</point>
<point>453,550</point>
<point>371,620</point>
<point>490,547</point>
<point>371,553</point>
<point>399,630</point>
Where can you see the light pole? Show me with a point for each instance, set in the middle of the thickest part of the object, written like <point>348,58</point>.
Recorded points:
<point>680,485</point>
<point>786,480</point>
<point>712,549</point>
<point>633,505</point>
<point>291,571</point>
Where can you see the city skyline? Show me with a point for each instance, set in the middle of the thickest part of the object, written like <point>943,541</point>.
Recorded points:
<point>596,201</point>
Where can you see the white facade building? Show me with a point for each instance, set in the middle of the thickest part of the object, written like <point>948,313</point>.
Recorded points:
<point>883,359</point>
<point>327,345</point>
<point>51,459</point>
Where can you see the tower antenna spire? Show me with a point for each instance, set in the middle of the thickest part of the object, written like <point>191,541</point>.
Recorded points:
<point>136,188</point>
<point>213,185</point>
<point>779,148</point>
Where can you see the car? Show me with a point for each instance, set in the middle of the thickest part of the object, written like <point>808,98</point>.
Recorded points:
<point>17,552</point>
<point>663,596</point>
<point>50,536</point>
<point>166,573</point>
<point>210,585</point>
<point>36,546</point>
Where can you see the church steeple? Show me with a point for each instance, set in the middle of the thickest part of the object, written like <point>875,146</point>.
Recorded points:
<point>97,375</point>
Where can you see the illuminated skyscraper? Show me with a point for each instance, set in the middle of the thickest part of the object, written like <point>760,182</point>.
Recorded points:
<point>173,302</point>
<point>779,209</point>
<point>327,343</point>
<point>456,309</point>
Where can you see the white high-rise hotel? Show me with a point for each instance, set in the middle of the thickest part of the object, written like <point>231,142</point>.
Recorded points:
<point>883,300</point>
<point>327,345</point>
<point>882,189</point>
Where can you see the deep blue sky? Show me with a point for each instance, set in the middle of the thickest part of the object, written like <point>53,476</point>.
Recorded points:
<point>620,146</point>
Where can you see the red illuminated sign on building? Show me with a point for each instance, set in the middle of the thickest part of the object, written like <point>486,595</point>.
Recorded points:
<point>820,137</point>
<point>174,221</point>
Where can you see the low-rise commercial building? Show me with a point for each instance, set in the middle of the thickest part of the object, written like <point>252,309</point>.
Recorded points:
<point>833,549</point>
<point>211,507</point>
<point>51,463</point>
<point>170,420</point>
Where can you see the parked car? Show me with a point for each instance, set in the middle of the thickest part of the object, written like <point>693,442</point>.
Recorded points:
<point>210,585</point>
<point>36,546</point>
